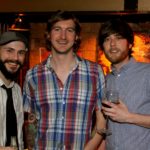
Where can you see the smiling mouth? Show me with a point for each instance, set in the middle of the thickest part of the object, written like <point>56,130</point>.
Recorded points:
<point>113,50</point>
<point>13,66</point>
<point>62,43</point>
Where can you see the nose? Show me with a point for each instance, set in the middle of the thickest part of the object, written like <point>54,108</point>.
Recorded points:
<point>112,42</point>
<point>63,34</point>
<point>15,56</point>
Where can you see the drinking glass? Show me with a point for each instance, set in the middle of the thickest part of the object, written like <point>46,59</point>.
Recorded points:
<point>112,96</point>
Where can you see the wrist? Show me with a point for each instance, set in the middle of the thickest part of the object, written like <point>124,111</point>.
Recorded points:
<point>101,131</point>
<point>130,117</point>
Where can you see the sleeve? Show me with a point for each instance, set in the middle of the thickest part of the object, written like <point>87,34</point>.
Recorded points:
<point>100,87</point>
<point>28,94</point>
<point>19,113</point>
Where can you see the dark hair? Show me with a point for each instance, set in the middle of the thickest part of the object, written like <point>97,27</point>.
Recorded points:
<point>115,26</point>
<point>60,16</point>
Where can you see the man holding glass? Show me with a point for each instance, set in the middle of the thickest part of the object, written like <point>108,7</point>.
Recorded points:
<point>129,120</point>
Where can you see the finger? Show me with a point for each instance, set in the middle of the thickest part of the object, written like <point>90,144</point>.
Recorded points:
<point>108,110</point>
<point>115,105</point>
<point>105,102</point>
<point>109,114</point>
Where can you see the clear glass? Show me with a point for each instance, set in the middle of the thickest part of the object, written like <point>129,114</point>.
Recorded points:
<point>112,96</point>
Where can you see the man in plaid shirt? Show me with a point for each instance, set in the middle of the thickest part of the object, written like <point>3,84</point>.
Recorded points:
<point>64,91</point>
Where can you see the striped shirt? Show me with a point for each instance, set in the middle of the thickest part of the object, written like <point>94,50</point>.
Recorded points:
<point>18,106</point>
<point>133,84</point>
<point>64,111</point>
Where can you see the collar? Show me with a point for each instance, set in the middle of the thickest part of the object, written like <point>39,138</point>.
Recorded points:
<point>125,67</point>
<point>48,61</point>
<point>9,86</point>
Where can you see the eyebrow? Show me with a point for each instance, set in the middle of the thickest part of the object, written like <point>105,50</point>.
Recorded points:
<point>57,26</point>
<point>15,49</point>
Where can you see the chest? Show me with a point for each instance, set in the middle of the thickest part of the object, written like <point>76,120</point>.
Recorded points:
<point>78,92</point>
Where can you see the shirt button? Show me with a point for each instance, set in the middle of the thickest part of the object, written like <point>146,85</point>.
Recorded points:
<point>118,75</point>
<point>63,102</point>
<point>61,88</point>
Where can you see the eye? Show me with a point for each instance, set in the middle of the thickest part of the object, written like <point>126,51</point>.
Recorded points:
<point>9,50</point>
<point>56,29</point>
<point>119,37</point>
<point>22,52</point>
<point>106,39</point>
<point>72,30</point>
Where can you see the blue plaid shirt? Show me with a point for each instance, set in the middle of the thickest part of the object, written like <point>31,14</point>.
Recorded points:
<point>64,111</point>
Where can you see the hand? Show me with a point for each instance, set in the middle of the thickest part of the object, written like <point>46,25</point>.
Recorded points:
<point>116,112</point>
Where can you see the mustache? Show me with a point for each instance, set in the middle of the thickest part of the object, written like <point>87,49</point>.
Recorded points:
<point>13,61</point>
<point>111,49</point>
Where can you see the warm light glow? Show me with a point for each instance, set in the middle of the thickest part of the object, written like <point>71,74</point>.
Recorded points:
<point>141,49</point>
<point>20,24</point>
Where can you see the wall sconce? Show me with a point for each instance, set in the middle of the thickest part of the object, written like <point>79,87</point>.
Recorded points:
<point>20,24</point>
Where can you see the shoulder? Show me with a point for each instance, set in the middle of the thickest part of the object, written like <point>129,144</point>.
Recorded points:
<point>144,67</point>
<point>92,69</point>
<point>37,69</point>
<point>17,87</point>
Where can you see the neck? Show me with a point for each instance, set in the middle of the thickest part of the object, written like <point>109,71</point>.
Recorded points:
<point>61,61</point>
<point>5,80</point>
<point>62,66</point>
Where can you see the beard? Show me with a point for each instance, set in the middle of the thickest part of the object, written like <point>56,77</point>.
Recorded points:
<point>8,74</point>
<point>117,57</point>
